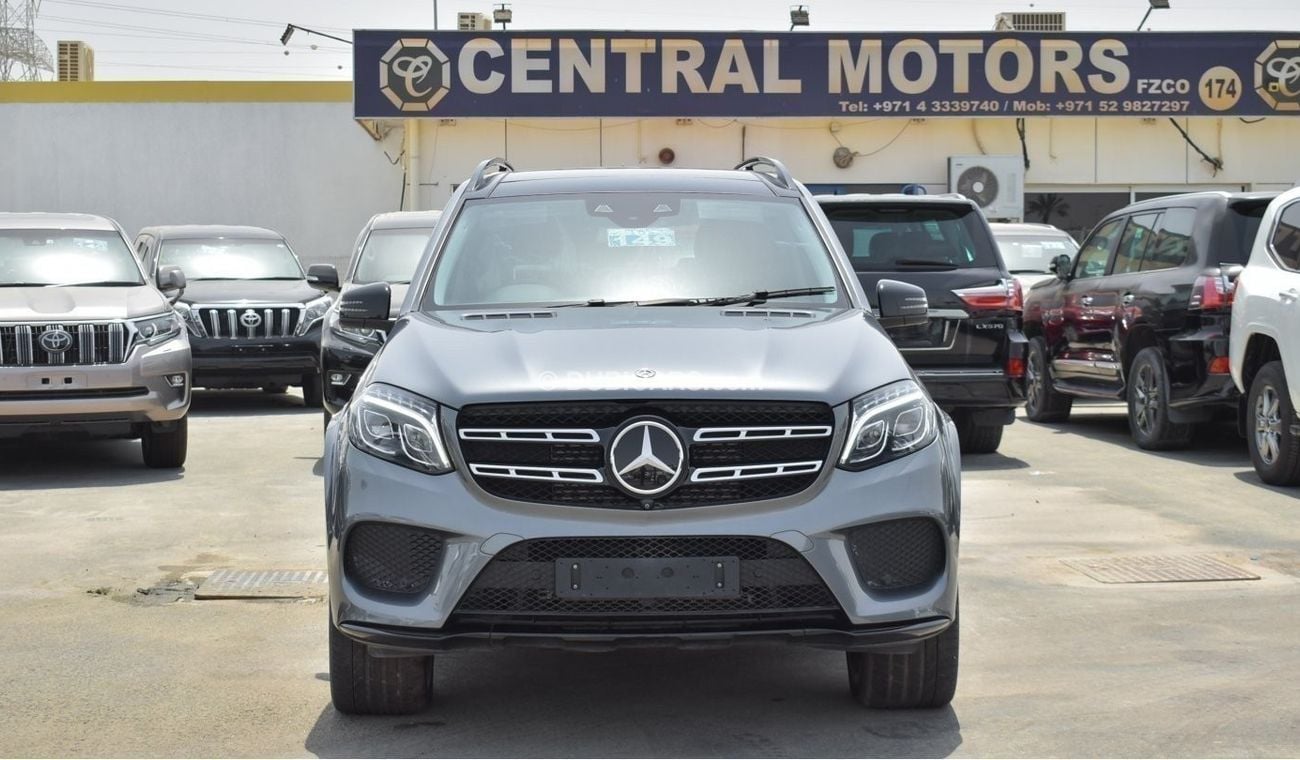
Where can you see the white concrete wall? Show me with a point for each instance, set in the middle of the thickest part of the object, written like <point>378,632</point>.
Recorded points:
<point>305,169</point>
<point>1065,154</point>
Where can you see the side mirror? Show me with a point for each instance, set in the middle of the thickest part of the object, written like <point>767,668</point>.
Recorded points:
<point>366,307</point>
<point>323,277</point>
<point>1061,266</point>
<point>900,304</point>
<point>171,281</point>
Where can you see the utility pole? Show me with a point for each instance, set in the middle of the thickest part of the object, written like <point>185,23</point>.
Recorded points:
<point>435,15</point>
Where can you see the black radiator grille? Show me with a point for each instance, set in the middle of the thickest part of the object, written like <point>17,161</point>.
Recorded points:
<point>520,581</point>
<point>27,345</point>
<point>249,321</point>
<point>397,559</point>
<point>603,418</point>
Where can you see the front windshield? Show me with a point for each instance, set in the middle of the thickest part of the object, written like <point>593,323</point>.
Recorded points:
<point>231,259</point>
<point>65,257</point>
<point>616,247</point>
<point>1033,254</point>
<point>391,255</point>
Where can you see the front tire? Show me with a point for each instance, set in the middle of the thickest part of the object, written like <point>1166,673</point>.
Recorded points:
<point>313,392</point>
<point>1274,449</point>
<point>1148,405</point>
<point>925,678</point>
<point>1042,402</point>
<point>976,438</point>
<point>361,684</point>
<point>164,445</point>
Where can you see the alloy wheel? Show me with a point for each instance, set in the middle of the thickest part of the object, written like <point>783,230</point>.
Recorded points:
<point>1268,424</point>
<point>1147,402</point>
<point>1034,381</point>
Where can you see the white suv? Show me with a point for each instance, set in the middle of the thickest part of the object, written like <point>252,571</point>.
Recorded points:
<point>1265,347</point>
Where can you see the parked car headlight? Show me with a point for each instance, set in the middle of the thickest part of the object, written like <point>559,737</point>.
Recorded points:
<point>360,336</point>
<point>398,426</point>
<point>889,423</point>
<point>158,328</point>
<point>191,319</point>
<point>312,313</point>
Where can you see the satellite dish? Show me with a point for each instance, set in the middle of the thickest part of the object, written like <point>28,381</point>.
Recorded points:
<point>980,184</point>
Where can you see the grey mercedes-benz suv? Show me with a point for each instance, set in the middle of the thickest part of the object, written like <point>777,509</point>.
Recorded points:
<point>88,347</point>
<point>639,407</point>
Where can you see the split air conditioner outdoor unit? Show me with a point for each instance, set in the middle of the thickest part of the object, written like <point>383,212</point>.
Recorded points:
<point>996,183</point>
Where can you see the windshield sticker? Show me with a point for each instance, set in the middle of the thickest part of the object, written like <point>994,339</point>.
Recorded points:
<point>94,244</point>
<point>1055,245</point>
<point>641,237</point>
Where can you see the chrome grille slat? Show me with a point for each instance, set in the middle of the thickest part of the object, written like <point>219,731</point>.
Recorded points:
<point>86,342</point>
<point>230,322</point>
<point>284,323</point>
<point>216,324</point>
<point>766,433</point>
<point>266,320</point>
<point>116,343</point>
<point>751,471</point>
<point>556,474</point>
<point>23,344</point>
<point>534,435</point>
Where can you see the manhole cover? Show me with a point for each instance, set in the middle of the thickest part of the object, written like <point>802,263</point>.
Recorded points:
<point>262,584</point>
<point>1159,569</point>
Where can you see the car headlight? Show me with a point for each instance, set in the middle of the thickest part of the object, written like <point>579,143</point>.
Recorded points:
<point>312,313</point>
<point>157,329</point>
<point>360,336</point>
<point>398,426</point>
<point>889,423</point>
<point>191,319</point>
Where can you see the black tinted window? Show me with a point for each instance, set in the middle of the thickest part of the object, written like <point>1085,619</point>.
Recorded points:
<point>1092,258</point>
<point>884,239</point>
<point>1173,243</point>
<point>1286,237</point>
<point>1133,244</point>
<point>1244,219</point>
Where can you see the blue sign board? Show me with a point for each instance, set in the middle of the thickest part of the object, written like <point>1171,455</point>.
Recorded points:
<point>404,74</point>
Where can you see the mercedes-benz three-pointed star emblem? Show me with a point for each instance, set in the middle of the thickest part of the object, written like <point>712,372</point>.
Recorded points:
<point>646,457</point>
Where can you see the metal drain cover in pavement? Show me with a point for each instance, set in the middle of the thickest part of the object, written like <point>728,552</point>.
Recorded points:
<point>1180,568</point>
<point>262,584</point>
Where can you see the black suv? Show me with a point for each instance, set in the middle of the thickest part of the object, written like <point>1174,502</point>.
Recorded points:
<point>254,322</point>
<point>1142,315</point>
<point>971,354</point>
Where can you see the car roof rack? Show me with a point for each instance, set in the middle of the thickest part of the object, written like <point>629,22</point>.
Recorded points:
<point>779,175</point>
<point>481,177</point>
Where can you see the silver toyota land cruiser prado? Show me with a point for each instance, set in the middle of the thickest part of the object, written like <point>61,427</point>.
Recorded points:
<point>88,346</point>
<point>639,407</point>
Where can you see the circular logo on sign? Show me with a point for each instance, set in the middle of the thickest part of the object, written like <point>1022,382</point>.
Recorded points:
<point>414,74</point>
<point>1277,75</point>
<point>1219,88</point>
<point>646,457</point>
<point>56,340</point>
<point>250,319</point>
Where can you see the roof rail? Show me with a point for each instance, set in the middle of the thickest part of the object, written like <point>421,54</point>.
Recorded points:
<point>779,174</point>
<point>481,177</point>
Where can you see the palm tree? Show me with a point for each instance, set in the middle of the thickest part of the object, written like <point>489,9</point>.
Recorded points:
<point>1047,204</point>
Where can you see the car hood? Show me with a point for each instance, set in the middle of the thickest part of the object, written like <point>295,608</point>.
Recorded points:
<point>250,291</point>
<point>586,353</point>
<point>75,304</point>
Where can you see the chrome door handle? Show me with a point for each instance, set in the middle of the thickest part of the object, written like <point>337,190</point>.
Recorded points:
<point>1128,299</point>
<point>1086,300</point>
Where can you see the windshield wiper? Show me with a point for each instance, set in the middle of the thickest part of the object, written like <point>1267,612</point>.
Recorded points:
<point>1027,271</point>
<point>270,278</point>
<point>105,283</point>
<point>27,285</point>
<point>749,299</point>
<point>924,264</point>
<point>590,302</point>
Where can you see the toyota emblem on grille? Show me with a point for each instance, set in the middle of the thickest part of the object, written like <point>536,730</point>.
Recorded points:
<point>646,457</point>
<point>250,319</point>
<point>56,340</point>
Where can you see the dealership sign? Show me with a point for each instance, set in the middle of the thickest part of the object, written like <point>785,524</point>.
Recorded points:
<point>522,74</point>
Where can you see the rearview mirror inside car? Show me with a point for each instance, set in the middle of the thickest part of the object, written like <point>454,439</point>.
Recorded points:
<point>171,281</point>
<point>323,277</point>
<point>1061,266</point>
<point>366,307</point>
<point>899,304</point>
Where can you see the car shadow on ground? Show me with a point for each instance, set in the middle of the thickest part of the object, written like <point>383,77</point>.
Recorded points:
<point>244,403</point>
<point>751,701</point>
<point>991,462</point>
<point>1250,477</point>
<point>1215,444</point>
<point>70,463</point>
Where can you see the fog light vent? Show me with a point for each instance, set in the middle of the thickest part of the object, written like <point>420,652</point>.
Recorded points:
<point>397,559</point>
<point>897,554</point>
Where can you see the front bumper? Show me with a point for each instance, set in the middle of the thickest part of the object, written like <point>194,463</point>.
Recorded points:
<point>345,361</point>
<point>361,488</point>
<point>254,362</point>
<point>106,399</point>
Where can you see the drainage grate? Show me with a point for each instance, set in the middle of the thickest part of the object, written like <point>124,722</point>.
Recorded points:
<point>1159,569</point>
<point>262,584</point>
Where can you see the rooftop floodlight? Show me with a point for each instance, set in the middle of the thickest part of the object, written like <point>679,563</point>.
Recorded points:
<point>1162,5</point>
<point>798,16</point>
<point>503,15</point>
